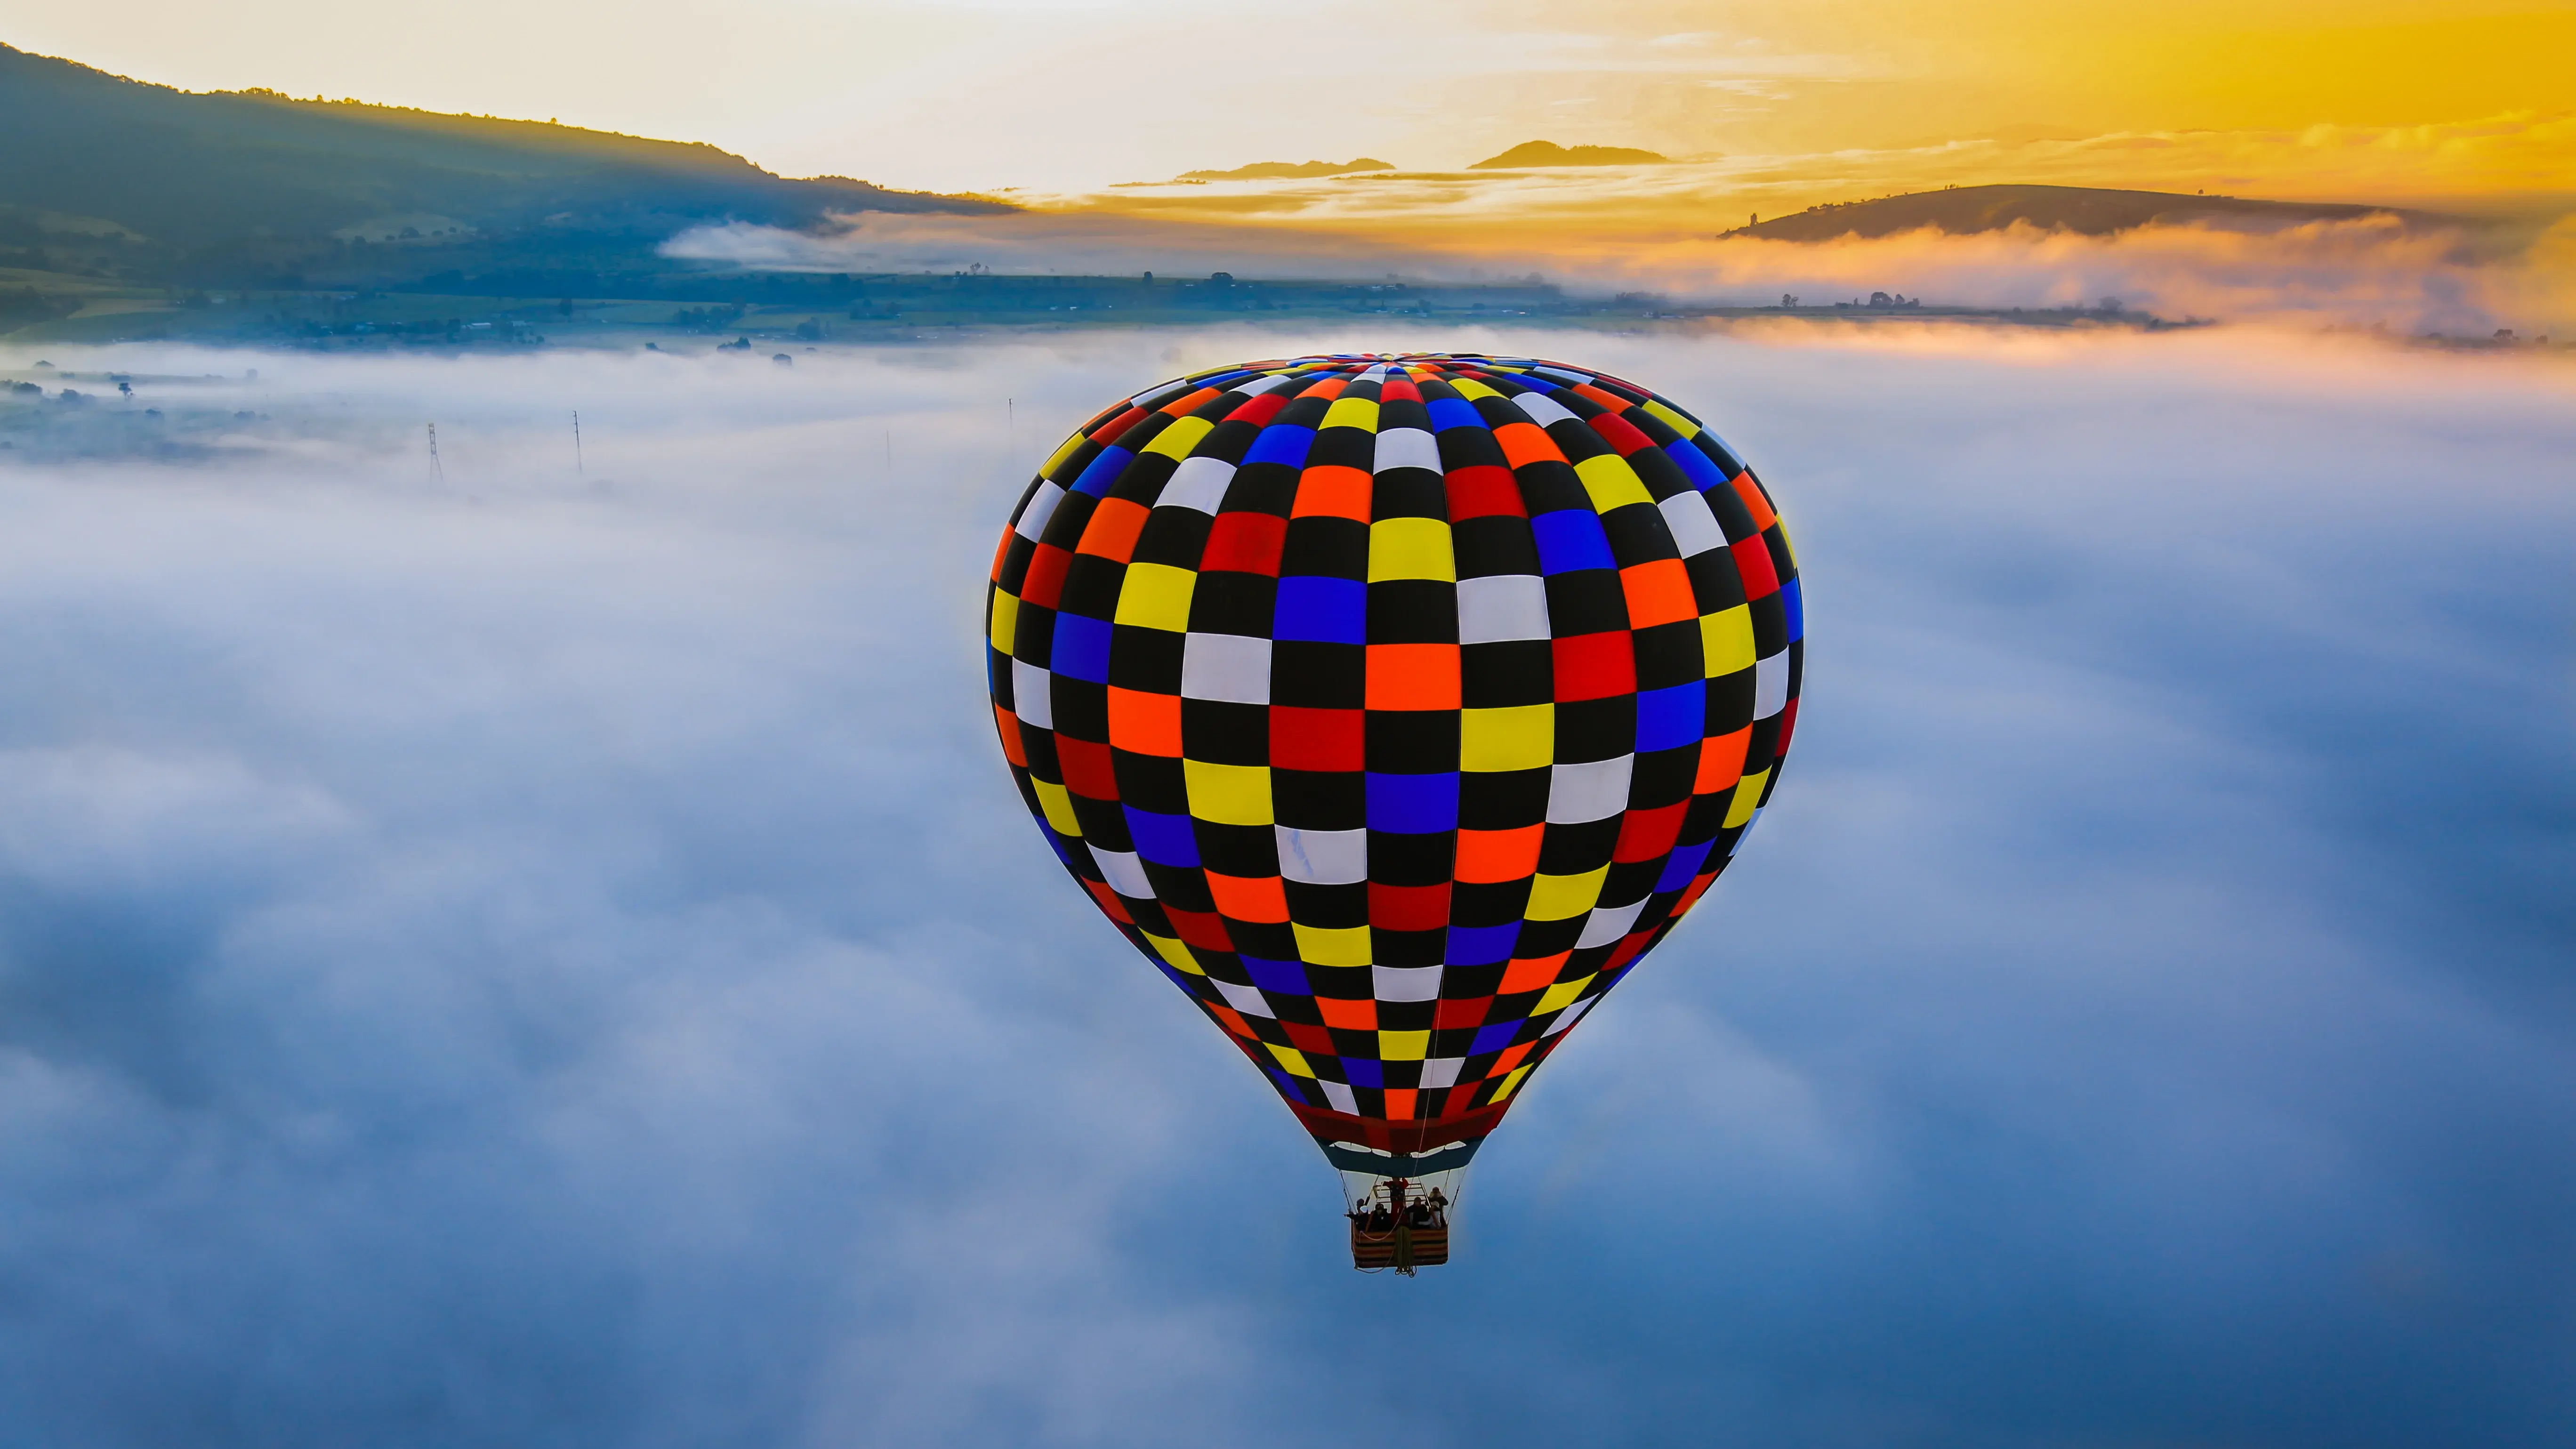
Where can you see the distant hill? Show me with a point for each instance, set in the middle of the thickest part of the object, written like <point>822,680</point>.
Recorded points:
<point>136,177</point>
<point>2086,210</point>
<point>1290,170</point>
<point>1548,153</point>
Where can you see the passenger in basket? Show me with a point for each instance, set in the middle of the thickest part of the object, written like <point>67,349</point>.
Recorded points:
<point>1439,1209</point>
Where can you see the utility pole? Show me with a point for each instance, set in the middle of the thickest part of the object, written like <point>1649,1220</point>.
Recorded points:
<point>433,454</point>
<point>577,468</point>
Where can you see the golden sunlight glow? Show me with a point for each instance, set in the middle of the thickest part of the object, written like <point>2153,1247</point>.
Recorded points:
<point>1783,103</point>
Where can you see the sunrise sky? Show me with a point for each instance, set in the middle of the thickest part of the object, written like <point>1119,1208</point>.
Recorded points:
<point>2459,102</point>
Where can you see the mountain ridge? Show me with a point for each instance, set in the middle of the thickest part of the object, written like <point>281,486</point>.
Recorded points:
<point>226,185</point>
<point>2085,210</point>
<point>1291,170</point>
<point>1548,153</point>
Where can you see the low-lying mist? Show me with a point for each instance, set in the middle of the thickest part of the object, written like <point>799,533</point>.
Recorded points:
<point>2369,273</point>
<point>540,947</point>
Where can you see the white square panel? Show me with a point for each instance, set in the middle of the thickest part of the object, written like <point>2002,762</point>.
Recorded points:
<point>1125,872</point>
<point>1032,694</point>
<point>1406,448</point>
<point>1323,857</point>
<point>1607,924</point>
<point>1694,527</point>
<point>1246,999</point>
<point>1770,685</point>
<point>1542,409</point>
<point>1033,519</point>
<point>1232,667</point>
<point>1568,1017</point>
<point>1593,790</point>
<point>1407,983</point>
<point>1502,606</point>
<point>1198,483</point>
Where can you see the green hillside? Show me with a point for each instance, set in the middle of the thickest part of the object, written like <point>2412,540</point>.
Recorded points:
<point>104,176</point>
<point>1962,210</point>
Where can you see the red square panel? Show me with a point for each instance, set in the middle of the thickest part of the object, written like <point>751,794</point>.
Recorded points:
<point>1595,666</point>
<point>1620,433</point>
<point>1203,929</point>
<point>1649,834</point>
<point>1480,492</point>
<point>1114,908</point>
<point>1109,431</point>
<point>1045,583</point>
<point>1408,908</point>
<point>1087,768</point>
<point>1752,560</point>
<point>1260,410</point>
<point>1318,739</point>
<point>1245,543</point>
<point>1455,1015</point>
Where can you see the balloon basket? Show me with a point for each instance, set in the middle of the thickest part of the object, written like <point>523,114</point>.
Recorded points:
<point>1401,1224</point>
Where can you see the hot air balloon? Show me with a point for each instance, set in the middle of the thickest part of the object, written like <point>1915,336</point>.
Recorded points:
<point>1394,706</point>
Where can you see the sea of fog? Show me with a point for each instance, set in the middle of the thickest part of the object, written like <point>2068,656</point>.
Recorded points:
<point>541,949</point>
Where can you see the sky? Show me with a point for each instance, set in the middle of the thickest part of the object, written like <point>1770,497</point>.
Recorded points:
<point>2458,101</point>
<point>541,948</point>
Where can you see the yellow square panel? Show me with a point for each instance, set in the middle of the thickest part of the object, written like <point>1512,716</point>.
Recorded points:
<point>1228,794</point>
<point>1612,483</point>
<point>1560,996</point>
<point>1321,947</point>
<point>1352,412</point>
<point>1470,389</point>
<point>1291,1058</point>
<point>1411,548</point>
<point>1561,897</point>
<point>1726,641</point>
<point>1157,596</point>
<point>1173,950</point>
<point>1403,1046</point>
<point>1748,794</point>
<point>1510,1084</point>
<point>1057,802</point>
<point>1006,618</point>
<point>1672,420</point>
<point>1071,446</point>
<point>1177,440</point>
<point>1522,738</point>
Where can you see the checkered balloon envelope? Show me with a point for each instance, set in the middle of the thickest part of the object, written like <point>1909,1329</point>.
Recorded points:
<point>1394,707</point>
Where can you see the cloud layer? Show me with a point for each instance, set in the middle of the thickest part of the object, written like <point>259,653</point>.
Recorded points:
<point>553,957</point>
<point>2372,272</point>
